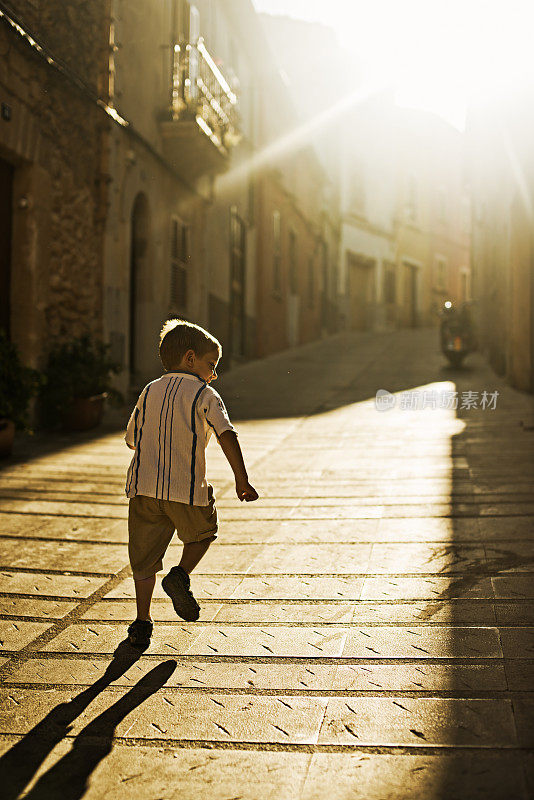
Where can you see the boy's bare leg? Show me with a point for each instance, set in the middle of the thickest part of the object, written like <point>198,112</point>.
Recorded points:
<point>143,596</point>
<point>192,553</point>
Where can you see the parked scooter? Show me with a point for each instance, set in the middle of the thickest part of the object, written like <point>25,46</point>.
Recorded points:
<point>456,333</point>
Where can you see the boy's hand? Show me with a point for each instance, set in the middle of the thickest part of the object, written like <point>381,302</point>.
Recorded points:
<point>232,451</point>
<point>245,491</point>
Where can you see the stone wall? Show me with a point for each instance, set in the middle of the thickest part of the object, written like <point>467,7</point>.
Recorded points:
<point>76,32</point>
<point>54,139</point>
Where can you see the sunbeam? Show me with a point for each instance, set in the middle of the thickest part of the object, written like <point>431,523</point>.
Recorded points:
<point>300,135</point>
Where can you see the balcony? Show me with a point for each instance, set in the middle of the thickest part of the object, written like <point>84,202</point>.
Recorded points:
<point>202,125</point>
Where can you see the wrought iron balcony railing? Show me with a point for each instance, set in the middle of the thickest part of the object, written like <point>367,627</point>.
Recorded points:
<point>200,91</point>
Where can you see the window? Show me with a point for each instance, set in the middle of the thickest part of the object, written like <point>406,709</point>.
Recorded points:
<point>179,261</point>
<point>277,252</point>
<point>293,284</point>
<point>389,283</point>
<point>237,283</point>
<point>311,282</point>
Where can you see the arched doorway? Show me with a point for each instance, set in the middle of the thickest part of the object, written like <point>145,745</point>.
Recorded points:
<point>140,229</point>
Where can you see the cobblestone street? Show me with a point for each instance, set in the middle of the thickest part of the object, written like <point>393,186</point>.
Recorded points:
<point>367,626</point>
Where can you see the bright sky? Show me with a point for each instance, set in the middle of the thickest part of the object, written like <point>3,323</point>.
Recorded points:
<point>437,52</point>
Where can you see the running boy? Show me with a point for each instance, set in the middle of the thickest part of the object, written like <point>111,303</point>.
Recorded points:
<point>169,429</point>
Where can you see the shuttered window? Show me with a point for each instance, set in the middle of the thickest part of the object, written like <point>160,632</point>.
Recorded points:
<point>179,262</point>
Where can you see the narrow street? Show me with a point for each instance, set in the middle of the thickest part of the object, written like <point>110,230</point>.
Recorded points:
<point>367,626</point>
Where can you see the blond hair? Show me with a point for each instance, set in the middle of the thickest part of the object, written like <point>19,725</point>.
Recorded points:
<point>178,336</point>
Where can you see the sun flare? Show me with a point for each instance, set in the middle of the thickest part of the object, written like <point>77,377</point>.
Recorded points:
<point>439,56</point>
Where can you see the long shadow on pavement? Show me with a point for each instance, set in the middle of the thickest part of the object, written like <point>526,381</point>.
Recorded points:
<point>492,483</point>
<point>68,777</point>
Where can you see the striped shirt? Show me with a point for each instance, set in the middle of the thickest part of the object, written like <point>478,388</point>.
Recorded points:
<point>170,427</point>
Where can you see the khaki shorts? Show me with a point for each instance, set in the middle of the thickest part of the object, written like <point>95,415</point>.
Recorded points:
<point>151,525</point>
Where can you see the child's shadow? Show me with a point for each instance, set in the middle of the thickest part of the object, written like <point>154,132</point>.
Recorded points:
<point>67,778</point>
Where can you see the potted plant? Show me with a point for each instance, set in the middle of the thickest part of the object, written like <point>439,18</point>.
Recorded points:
<point>78,380</point>
<point>18,384</point>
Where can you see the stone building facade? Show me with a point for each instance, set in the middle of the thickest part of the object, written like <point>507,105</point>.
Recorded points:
<point>291,259</point>
<point>502,183</point>
<point>406,217</point>
<point>141,147</point>
<point>155,249</point>
<point>53,70</point>
<point>173,183</point>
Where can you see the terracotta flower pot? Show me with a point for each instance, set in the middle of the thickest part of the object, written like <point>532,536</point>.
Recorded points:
<point>7,437</point>
<point>84,413</point>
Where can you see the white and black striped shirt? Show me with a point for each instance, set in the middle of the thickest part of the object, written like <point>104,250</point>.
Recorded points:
<point>170,428</point>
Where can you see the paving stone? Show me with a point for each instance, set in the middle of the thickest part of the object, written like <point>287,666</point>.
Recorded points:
<point>510,528</point>
<point>425,511</point>
<point>511,557</point>
<point>54,494</point>
<point>161,714</point>
<point>422,642</point>
<point>391,499</point>
<point>520,676</point>
<point>125,611</point>
<point>426,588</point>
<point>15,635</point>
<point>26,607</point>
<point>420,677</point>
<point>428,530</point>
<point>316,613</point>
<point>336,512</point>
<point>239,718</point>
<point>388,777</point>
<point>313,558</point>
<point>524,720</point>
<point>298,588</point>
<point>203,586</point>
<point>96,638</point>
<point>255,515</point>
<point>278,502</point>
<point>233,560</point>
<point>134,772</point>
<point>81,557</point>
<point>55,585</point>
<point>420,721</point>
<point>264,641</point>
<point>295,530</point>
<point>514,586</point>
<point>191,674</point>
<point>350,531</point>
<point>455,612</point>
<point>64,528</point>
<point>517,642</point>
<point>73,508</point>
<point>201,640</point>
<point>410,557</point>
<point>37,483</point>
<point>514,613</point>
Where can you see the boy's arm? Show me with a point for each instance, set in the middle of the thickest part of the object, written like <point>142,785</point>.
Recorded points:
<point>232,450</point>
